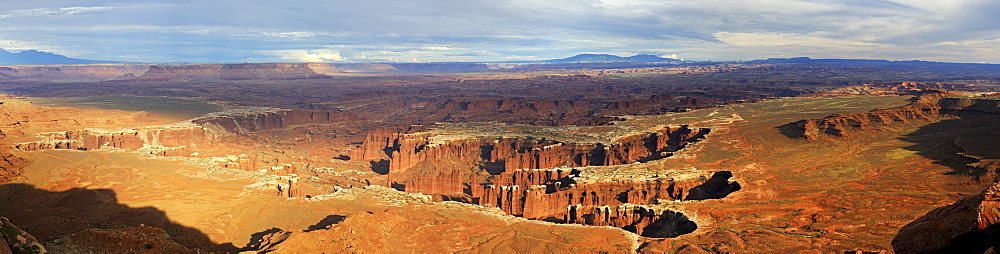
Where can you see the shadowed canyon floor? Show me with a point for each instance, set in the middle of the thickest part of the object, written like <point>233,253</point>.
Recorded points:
<point>436,165</point>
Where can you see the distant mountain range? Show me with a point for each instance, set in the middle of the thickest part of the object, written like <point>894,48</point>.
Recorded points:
<point>606,58</point>
<point>35,57</point>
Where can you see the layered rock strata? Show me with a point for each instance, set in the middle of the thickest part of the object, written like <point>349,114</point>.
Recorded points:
<point>536,179</point>
<point>404,150</point>
<point>922,108</point>
<point>929,107</point>
<point>971,225</point>
<point>642,220</point>
<point>250,122</point>
<point>164,141</point>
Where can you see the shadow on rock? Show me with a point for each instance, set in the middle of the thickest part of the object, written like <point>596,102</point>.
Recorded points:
<point>50,215</point>
<point>716,187</point>
<point>959,144</point>
<point>792,130</point>
<point>326,222</point>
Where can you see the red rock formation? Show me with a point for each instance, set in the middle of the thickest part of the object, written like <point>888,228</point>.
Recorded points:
<point>249,71</point>
<point>243,123</point>
<point>967,226</point>
<point>924,108</point>
<point>294,188</point>
<point>407,150</point>
<point>242,162</point>
<point>551,199</point>
<point>379,139</point>
<point>530,184</point>
<point>515,153</point>
<point>639,219</point>
<point>541,153</point>
<point>447,182</point>
<point>172,141</point>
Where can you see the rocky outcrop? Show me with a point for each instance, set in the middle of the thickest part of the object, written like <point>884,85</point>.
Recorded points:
<point>550,200</point>
<point>15,240</point>
<point>165,141</point>
<point>641,220</point>
<point>379,143</point>
<point>971,225</point>
<point>445,182</point>
<point>923,108</point>
<point>243,123</point>
<point>242,162</point>
<point>540,194</point>
<point>406,150</point>
<point>248,71</point>
<point>534,178</point>
<point>555,195</point>
<point>929,107</point>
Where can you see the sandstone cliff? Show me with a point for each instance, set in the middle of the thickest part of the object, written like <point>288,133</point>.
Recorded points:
<point>406,150</point>
<point>165,141</point>
<point>534,178</point>
<point>555,112</point>
<point>971,225</point>
<point>642,220</point>
<point>243,123</point>
<point>928,107</point>
<point>924,108</point>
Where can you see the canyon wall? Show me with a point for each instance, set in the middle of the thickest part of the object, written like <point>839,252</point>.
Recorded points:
<point>928,107</point>
<point>519,111</point>
<point>971,225</point>
<point>534,178</point>
<point>165,141</point>
<point>924,108</point>
<point>540,194</point>
<point>250,122</point>
<point>641,220</point>
<point>406,150</point>
<point>555,112</point>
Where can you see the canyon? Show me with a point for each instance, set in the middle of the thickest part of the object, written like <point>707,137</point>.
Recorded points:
<point>562,158</point>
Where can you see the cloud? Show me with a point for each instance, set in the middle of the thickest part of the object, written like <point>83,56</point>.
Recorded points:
<point>477,53</point>
<point>39,12</point>
<point>311,56</point>
<point>401,30</point>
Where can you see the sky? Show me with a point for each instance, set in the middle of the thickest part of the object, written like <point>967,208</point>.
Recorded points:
<point>501,30</point>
